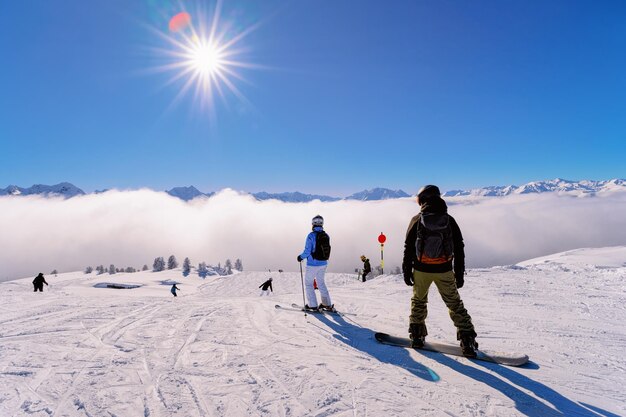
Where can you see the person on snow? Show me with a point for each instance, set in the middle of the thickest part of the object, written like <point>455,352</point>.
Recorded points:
<point>316,252</point>
<point>264,287</point>
<point>433,243</point>
<point>173,290</point>
<point>367,268</point>
<point>38,282</point>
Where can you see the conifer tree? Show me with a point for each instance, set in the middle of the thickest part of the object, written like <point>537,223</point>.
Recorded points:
<point>238,265</point>
<point>186,267</point>
<point>172,262</point>
<point>202,270</point>
<point>159,264</point>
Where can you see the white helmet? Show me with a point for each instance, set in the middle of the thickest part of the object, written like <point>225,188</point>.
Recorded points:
<point>317,221</point>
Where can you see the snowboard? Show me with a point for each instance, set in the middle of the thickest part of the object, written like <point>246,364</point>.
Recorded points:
<point>510,359</point>
<point>296,307</point>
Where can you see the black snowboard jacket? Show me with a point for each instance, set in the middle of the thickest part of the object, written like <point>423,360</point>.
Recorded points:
<point>367,268</point>
<point>267,284</point>
<point>410,262</point>
<point>39,280</point>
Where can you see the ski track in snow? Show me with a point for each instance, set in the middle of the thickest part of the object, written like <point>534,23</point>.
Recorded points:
<point>221,350</point>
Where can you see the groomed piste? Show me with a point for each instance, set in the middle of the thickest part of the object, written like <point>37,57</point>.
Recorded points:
<point>219,349</point>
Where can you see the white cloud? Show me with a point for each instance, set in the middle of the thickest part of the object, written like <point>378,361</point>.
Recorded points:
<point>131,228</point>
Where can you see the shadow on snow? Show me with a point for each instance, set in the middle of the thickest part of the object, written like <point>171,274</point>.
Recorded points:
<point>524,402</point>
<point>362,338</point>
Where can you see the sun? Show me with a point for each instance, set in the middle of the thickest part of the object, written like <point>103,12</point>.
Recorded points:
<point>205,57</point>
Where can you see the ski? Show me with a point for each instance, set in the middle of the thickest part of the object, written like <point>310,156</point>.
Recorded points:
<point>296,307</point>
<point>341,313</point>
<point>501,358</point>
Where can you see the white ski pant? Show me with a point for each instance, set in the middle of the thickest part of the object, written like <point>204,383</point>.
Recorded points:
<point>265,292</point>
<point>316,273</point>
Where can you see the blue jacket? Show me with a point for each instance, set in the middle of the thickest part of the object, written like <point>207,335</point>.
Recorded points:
<point>309,248</point>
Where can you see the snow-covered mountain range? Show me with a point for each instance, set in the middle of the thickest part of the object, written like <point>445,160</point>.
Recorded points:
<point>365,195</point>
<point>64,189</point>
<point>558,185</point>
<point>293,197</point>
<point>188,193</point>
<point>584,187</point>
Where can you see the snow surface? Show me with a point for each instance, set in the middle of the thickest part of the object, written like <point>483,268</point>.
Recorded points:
<point>219,349</point>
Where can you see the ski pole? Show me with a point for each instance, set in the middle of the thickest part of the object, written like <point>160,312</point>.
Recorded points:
<point>302,282</point>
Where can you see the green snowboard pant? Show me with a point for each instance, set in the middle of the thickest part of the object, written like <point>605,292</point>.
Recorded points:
<point>446,285</point>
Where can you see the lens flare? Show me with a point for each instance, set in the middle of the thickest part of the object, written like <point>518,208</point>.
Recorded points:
<point>179,22</point>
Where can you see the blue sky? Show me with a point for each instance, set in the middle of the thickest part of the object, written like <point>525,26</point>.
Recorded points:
<point>351,95</point>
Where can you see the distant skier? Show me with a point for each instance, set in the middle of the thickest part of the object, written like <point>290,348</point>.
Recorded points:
<point>316,252</point>
<point>367,268</point>
<point>433,242</point>
<point>173,290</point>
<point>266,287</point>
<point>38,282</point>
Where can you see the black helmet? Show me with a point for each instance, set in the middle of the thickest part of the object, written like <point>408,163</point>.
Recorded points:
<point>427,192</point>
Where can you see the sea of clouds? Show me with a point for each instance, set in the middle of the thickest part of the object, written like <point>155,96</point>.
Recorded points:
<point>131,228</point>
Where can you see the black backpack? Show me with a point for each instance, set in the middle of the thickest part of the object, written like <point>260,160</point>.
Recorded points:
<point>322,246</point>
<point>434,242</point>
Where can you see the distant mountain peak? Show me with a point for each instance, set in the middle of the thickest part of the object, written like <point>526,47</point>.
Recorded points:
<point>377,193</point>
<point>186,193</point>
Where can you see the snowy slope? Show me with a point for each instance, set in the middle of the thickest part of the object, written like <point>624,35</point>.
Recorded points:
<point>221,350</point>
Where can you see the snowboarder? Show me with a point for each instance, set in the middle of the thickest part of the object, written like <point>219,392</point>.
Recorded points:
<point>173,290</point>
<point>367,268</point>
<point>316,252</point>
<point>38,282</point>
<point>264,287</point>
<point>433,242</point>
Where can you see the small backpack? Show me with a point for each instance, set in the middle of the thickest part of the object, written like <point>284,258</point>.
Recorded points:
<point>322,246</point>
<point>434,244</point>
